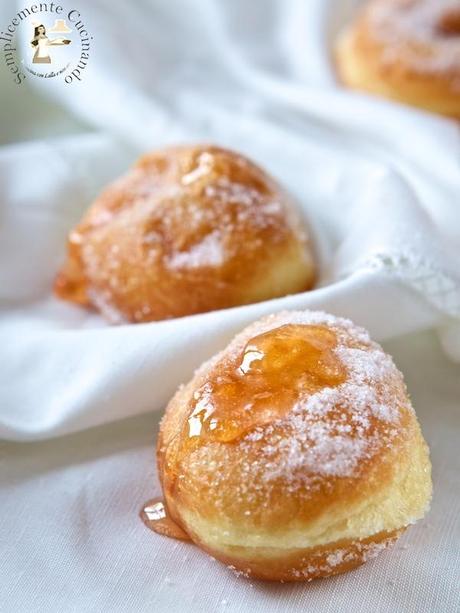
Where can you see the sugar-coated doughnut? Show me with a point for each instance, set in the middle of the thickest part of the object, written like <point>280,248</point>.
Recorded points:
<point>294,453</point>
<point>186,230</point>
<point>406,50</point>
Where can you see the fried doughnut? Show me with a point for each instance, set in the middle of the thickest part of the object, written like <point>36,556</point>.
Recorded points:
<point>406,50</point>
<point>294,453</point>
<point>187,230</point>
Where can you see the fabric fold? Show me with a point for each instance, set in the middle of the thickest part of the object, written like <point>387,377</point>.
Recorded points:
<point>377,182</point>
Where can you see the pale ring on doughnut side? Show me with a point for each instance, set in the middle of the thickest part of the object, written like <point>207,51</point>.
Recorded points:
<point>294,453</point>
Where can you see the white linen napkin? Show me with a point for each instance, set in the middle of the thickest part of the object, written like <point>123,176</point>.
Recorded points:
<point>378,183</point>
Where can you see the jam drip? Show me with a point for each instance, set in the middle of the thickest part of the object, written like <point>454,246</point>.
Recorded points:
<point>155,516</point>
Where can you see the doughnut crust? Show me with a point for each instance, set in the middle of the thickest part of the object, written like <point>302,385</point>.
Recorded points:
<point>186,230</point>
<point>405,50</point>
<point>294,453</point>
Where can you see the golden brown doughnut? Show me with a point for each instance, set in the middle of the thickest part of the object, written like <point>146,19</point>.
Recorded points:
<point>294,453</point>
<point>406,50</point>
<point>186,230</point>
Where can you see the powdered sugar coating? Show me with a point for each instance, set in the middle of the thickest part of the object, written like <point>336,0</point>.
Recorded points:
<point>357,552</point>
<point>328,434</point>
<point>186,230</point>
<point>314,477</point>
<point>422,33</point>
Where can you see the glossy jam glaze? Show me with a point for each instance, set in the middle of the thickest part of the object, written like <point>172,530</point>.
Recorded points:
<point>273,370</point>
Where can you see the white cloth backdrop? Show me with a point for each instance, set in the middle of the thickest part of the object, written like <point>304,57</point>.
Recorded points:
<point>380,186</point>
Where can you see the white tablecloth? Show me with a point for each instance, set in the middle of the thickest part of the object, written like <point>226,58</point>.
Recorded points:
<point>379,184</point>
<point>72,541</point>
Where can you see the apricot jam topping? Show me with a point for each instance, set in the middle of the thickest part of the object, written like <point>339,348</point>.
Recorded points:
<point>274,369</point>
